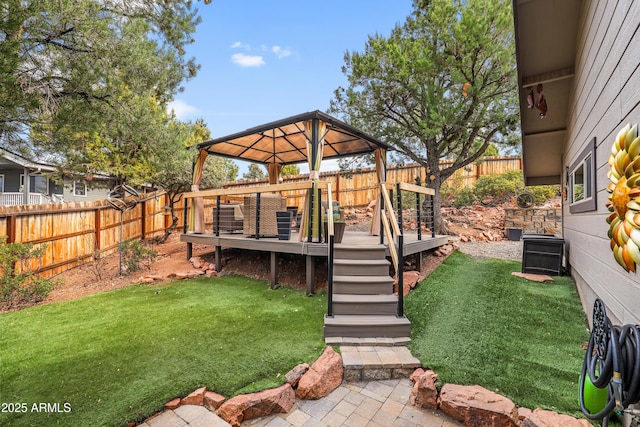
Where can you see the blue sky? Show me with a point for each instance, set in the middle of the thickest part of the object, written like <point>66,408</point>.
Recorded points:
<point>267,60</point>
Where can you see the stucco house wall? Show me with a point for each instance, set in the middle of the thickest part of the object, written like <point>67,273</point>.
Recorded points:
<point>604,97</point>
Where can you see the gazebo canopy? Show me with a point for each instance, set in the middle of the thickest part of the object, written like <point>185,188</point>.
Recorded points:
<point>284,141</point>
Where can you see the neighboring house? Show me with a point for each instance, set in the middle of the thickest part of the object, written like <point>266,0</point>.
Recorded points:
<point>585,56</point>
<point>42,189</point>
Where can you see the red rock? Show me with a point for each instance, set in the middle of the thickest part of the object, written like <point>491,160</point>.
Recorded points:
<point>424,393</point>
<point>196,261</point>
<point>249,406</point>
<point>324,376</point>
<point>212,401</point>
<point>477,406</point>
<point>294,375</point>
<point>524,413</point>
<point>533,277</point>
<point>544,418</point>
<point>173,404</point>
<point>194,398</point>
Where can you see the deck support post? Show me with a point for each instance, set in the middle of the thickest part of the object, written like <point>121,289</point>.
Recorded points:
<point>419,261</point>
<point>274,270</point>
<point>218,258</point>
<point>311,272</point>
<point>189,250</point>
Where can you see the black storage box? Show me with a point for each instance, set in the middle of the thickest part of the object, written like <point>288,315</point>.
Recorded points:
<point>514,234</point>
<point>542,254</point>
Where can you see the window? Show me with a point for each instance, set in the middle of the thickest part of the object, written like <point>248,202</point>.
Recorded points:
<point>79,189</point>
<point>40,184</point>
<point>581,181</point>
<point>37,184</point>
<point>1,183</point>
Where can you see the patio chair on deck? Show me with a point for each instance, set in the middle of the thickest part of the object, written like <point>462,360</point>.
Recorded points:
<point>231,218</point>
<point>269,205</point>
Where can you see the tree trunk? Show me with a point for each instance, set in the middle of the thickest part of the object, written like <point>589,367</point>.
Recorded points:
<point>173,199</point>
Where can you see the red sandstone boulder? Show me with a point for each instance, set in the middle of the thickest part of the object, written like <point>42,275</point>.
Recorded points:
<point>424,393</point>
<point>294,375</point>
<point>524,413</point>
<point>477,406</point>
<point>173,404</point>
<point>249,406</point>
<point>194,398</point>
<point>212,401</point>
<point>324,376</point>
<point>544,418</point>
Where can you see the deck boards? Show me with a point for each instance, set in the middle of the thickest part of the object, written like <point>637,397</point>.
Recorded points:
<point>271,244</point>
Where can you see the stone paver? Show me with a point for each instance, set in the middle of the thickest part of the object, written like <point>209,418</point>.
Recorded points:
<point>379,402</point>
<point>383,403</point>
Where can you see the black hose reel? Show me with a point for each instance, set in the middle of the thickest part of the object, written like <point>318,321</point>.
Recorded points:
<point>612,362</point>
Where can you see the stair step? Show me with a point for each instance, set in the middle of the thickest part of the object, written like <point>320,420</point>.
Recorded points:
<point>366,326</point>
<point>359,251</point>
<point>365,304</point>
<point>361,267</point>
<point>362,285</point>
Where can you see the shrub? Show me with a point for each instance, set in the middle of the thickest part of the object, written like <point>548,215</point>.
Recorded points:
<point>464,197</point>
<point>495,189</point>
<point>135,255</point>
<point>19,284</point>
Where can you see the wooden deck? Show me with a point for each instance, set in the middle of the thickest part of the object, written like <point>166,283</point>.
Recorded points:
<point>293,246</point>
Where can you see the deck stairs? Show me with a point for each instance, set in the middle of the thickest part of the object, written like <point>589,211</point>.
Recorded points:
<point>364,304</point>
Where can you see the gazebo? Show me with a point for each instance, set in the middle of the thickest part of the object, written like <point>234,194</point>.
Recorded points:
<point>309,137</point>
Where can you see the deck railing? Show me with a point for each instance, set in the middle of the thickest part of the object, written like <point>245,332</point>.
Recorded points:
<point>330,254</point>
<point>391,228</point>
<point>260,199</point>
<point>422,211</point>
<point>16,199</point>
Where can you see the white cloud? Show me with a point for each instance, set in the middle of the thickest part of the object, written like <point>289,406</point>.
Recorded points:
<point>240,45</point>
<point>281,52</point>
<point>181,109</point>
<point>247,60</point>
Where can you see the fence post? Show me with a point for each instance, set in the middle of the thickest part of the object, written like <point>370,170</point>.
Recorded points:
<point>11,229</point>
<point>97,221</point>
<point>143,219</point>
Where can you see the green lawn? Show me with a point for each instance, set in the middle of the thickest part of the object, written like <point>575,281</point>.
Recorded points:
<point>475,323</point>
<point>119,356</point>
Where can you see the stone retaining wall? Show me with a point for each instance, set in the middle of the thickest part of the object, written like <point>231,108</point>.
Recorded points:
<point>534,221</point>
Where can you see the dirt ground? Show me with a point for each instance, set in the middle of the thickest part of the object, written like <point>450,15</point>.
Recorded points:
<point>473,223</point>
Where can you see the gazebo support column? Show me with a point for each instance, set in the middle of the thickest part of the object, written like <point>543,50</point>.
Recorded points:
<point>274,270</point>
<point>218,258</point>
<point>311,273</point>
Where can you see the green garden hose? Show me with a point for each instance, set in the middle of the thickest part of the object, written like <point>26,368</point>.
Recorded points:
<point>612,361</point>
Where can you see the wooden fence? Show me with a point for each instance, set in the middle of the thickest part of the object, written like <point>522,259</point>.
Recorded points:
<point>358,188</point>
<point>74,232</point>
